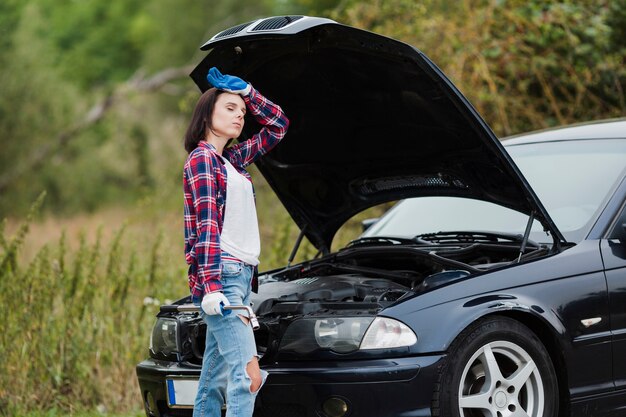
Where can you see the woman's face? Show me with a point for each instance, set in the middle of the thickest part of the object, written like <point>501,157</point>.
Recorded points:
<point>227,120</point>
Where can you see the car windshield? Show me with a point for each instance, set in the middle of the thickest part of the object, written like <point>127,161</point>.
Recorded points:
<point>571,178</point>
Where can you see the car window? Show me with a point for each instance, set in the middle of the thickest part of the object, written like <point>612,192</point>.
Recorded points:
<point>571,178</point>
<point>422,215</point>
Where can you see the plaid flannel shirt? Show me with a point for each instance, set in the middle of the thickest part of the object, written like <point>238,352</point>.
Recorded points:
<point>204,186</point>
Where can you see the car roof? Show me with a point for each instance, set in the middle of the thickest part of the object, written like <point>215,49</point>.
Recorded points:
<point>601,129</point>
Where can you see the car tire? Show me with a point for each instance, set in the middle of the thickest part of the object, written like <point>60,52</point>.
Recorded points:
<point>496,367</point>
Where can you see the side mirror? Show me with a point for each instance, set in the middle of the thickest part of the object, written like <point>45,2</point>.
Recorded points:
<point>367,223</point>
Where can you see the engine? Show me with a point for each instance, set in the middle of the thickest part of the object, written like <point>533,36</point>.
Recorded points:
<point>353,283</point>
<point>306,295</point>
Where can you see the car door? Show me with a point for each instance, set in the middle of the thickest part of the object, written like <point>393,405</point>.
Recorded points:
<point>614,257</point>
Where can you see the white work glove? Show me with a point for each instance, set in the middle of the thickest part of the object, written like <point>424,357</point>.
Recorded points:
<point>212,303</point>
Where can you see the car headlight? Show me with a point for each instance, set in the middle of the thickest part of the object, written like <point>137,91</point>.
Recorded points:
<point>340,335</point>
<point>164,337</point>
<point>385,333</point>
<point>345,335</point>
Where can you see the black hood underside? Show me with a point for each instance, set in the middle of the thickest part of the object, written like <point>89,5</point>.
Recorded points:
<point>372,120</point>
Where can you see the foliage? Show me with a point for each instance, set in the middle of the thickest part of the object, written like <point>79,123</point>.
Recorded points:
<point>81,413</point>
<point>32,104</point>
<point>63,57</point>
<point>523,64</point>
<point>309,7</point>
<point>616,20</point>
<point>75,321</point>
<point>94,42</point>
<point>177,28</point>
<point>10,11</point>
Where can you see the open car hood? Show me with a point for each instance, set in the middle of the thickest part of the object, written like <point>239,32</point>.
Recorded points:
<point>372,120</point>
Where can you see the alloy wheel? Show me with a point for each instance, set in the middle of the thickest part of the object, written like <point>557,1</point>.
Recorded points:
<point>501,380</point>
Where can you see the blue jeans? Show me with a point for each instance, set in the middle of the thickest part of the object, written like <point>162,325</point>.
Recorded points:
<point>230,346</point>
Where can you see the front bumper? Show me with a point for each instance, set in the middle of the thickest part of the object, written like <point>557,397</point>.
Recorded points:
<point>371,388</point>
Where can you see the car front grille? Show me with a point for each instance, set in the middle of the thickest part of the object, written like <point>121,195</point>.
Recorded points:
<point>194,341</point>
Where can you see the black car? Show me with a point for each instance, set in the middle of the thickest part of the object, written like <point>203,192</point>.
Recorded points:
<point>470,297</point>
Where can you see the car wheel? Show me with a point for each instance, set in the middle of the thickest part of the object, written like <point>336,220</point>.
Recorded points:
<point>496,368</point>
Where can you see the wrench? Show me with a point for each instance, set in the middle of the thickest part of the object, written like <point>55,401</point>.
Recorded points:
<point>254,322</point>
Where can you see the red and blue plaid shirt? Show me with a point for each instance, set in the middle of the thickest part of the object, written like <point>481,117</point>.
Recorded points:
<point>204,185</point>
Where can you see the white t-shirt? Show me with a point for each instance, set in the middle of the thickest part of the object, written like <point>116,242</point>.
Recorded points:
<point>240,230</point>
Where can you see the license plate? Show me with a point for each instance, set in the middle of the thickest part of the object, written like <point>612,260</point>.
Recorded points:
<point>181,392</point>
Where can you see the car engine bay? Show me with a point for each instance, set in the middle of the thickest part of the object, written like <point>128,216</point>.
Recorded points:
<point>357,281</point>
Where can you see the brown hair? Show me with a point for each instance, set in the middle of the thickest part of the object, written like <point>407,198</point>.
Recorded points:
<point>201,119</point>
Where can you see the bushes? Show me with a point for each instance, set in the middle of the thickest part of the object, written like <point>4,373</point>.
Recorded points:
<point>523,64</point>
<point>74,322</point>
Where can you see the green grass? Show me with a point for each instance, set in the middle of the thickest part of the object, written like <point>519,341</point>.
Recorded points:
<point>65,413</point>
<point>74,322</point>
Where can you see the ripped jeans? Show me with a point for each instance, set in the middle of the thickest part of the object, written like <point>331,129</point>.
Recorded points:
<point>230,346</point>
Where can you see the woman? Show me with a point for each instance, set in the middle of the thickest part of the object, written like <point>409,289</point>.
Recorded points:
<point>222,236</point>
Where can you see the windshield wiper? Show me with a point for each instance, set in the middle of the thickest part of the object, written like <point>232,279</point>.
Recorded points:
<point>377,240</point>
<point>473,237</point>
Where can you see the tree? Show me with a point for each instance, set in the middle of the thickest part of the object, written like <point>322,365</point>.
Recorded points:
<point>523,64</point>
<point>67,64</point>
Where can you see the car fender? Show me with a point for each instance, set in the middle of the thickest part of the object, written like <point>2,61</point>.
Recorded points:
<point>436,327</point>
<point>538,292</point>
